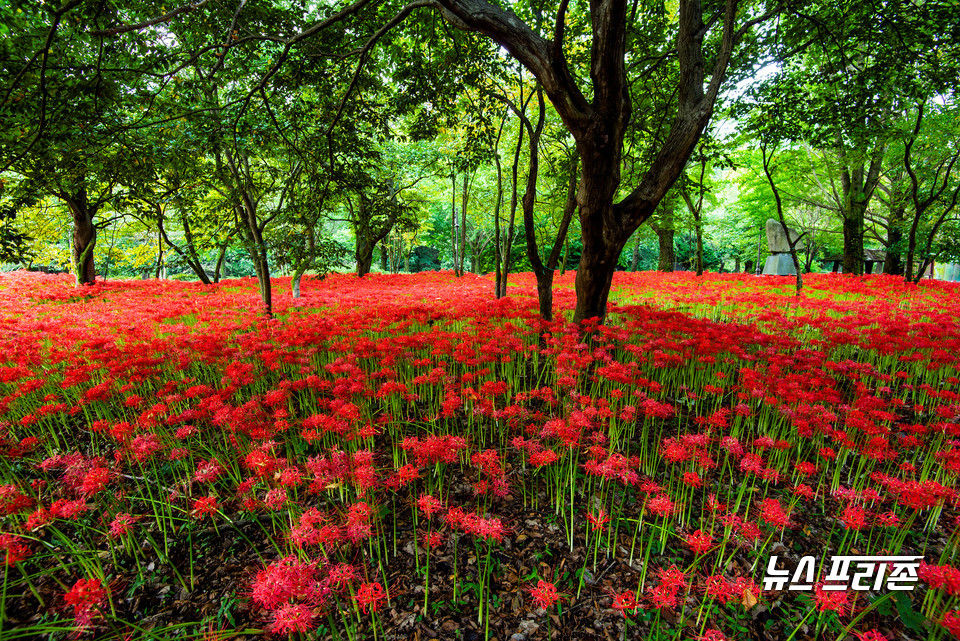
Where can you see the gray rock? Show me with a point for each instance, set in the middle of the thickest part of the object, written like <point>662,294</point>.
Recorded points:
<point>777,240</point>
<point>779,265</point>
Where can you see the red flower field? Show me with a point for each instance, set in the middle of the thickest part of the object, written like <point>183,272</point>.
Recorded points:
<point>401,457</point>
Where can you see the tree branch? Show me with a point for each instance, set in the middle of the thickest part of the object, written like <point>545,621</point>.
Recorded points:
<point>167,17</point>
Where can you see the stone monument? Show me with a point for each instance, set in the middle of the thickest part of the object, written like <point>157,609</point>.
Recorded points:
<point>779,263</point>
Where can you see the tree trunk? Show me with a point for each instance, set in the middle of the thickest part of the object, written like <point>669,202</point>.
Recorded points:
<point>453,223</point>
<point>665,232</point>
<point>295,283</point>
<point>858,183</point>
<point>84,235</point>
<point>635,261</point>
<point>853,257</point>
<point>497,246</point>
<point>364,255</point>
<point>566,254</point>
<point>893,262</point>
<point>221,261</point>
<point>598,124</point>
<point>463,226</point>
<point>601,244</point>
<point>511,224</point>
<point>190,256</point>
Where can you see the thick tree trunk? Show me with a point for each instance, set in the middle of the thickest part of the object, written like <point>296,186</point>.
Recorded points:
<point>598,124</point>
<point>295,283</point>
<point>857,182</point>
<point>601,247</point>
<point>594,276</point>
<point>364,255</point>
<point>384,258</point>
<point>668,256</point>
<point>665,233</point>
<point>84,240</point>
<point>853,256</point>
<point>893,262</point>
<point>545,294</point>
<point>84,236</point>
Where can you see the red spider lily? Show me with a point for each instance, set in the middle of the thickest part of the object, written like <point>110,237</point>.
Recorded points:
<point>285,581</point>
<point>208,471</point>
<point>625,602</point>
<point>86,596</point>
<point>545,594</point>
<point>717,587</point>
<point>275,498</point>
<point>341,575</point>
<point>543,457</point>
<point>831,600</point>
<point>661,505</point>
<point>122,525</point>
<point>13,501</point>
<point>699,542</point>
<point>95,481</point>
<point>13,549</point>
<point>712,635</point>
<point>661,596</point>
<point>429,505</point>
<point>854,517</point>
<point>292,617</point>
<point>951,621</point>
<point>673,578</point>
<point>433,539</point>
<point>772,512</point>
<point>204,506</point>
<point>370,596</point>
<point>943,577</point>
<point>599,520</point>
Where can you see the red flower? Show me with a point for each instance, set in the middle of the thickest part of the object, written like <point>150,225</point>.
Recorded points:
<point>951,621</point>
<point>370,595</point>
<point>836,600</point>
<point>599,520</point>
<point>292,617</point>
<point>13,549</point>
<point>699,542</point>
<point>429,505</point>
<point>545,594</point>
<point>661,505</point>
<point>85,596</point>
<point>625,601</point>
<point>122,524</point>
<point>204,506</point>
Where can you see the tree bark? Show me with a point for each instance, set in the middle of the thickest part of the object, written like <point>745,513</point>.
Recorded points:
<point>190,256</point>
<point>858,183</point>
<point>598,126</point>
<point>893,262</point>
<point>511,224</point>
<point>665,233</point>
<point>453,224</point>
<point>84,235</point>
<point>364,255</point>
